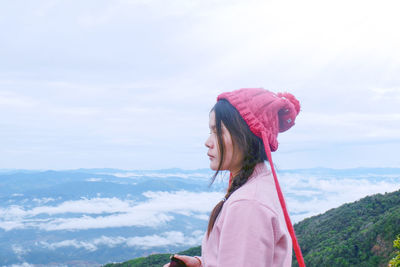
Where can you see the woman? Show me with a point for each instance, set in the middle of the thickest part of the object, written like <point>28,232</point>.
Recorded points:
<point>250,226</point>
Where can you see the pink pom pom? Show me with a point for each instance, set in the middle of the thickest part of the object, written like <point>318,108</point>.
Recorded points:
<point>292,99</point>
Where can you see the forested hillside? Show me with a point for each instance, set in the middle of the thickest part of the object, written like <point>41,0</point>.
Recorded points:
<point>355,234</point>
<point>155,260</point>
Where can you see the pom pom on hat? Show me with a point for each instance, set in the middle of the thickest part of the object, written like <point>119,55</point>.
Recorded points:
<point>292,99</point>
<point>288,115</point>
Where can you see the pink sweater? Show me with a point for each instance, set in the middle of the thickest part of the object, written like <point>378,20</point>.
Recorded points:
<point>250,229</point>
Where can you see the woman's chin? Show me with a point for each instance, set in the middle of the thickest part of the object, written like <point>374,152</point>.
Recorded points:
<point>213,166</point>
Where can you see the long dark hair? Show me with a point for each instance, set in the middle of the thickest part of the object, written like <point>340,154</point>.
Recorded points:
<point>251,147</point>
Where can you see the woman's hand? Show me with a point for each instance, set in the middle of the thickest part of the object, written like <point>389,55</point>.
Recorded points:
<point>189,261</point>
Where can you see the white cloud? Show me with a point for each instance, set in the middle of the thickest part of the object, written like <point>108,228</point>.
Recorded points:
<point>171,238</point>
<point>70,243</point>
<point>321,193</point>
<point>201,217</point>
<point>43,200</point>
<point>87,206</point>
<point>94,179</point>
<point>109,241</point>
<point>113,212</point>
<point>25,264</point>
<point>19,250</point>
<point>143,219</point>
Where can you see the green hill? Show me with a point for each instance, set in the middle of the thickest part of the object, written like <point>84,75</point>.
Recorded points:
<point>155,260</point>
<point>356,234</point>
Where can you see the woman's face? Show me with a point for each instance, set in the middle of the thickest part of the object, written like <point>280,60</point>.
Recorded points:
<point>232,160</point>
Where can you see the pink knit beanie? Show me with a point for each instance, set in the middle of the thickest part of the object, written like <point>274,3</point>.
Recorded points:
<point>267,114</point>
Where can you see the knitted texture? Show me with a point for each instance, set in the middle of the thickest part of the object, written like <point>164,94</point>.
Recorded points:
<point>267,114</point>
<point>264,111</point>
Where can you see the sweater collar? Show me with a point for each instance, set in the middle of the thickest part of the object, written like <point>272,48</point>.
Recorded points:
<point>259,169</point>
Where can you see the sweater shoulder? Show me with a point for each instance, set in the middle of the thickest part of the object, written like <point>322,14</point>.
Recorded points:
<point>253,204</point>
<point>259,189</point>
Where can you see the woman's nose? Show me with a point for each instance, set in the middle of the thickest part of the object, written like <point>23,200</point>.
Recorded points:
<point>208,142</point>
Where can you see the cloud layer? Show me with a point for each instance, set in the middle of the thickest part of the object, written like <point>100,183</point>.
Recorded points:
<point>171,238</point>
<point>312,195</point>
<point>306,195</point>
<point>97,213</point>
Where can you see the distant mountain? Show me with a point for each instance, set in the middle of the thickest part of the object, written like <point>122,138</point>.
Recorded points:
<point>355,234</point>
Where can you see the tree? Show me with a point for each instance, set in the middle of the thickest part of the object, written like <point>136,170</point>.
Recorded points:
<point>395,262</point>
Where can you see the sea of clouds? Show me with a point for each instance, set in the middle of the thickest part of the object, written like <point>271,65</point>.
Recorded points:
<point>307,194</point>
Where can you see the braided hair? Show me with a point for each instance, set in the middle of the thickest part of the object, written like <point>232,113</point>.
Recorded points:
<point>251,147</point>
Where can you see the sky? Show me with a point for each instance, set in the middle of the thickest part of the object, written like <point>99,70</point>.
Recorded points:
<point>129,84</point>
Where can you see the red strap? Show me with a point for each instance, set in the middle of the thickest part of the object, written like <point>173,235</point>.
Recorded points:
<point>230,181</point>
<point>289,225</point>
